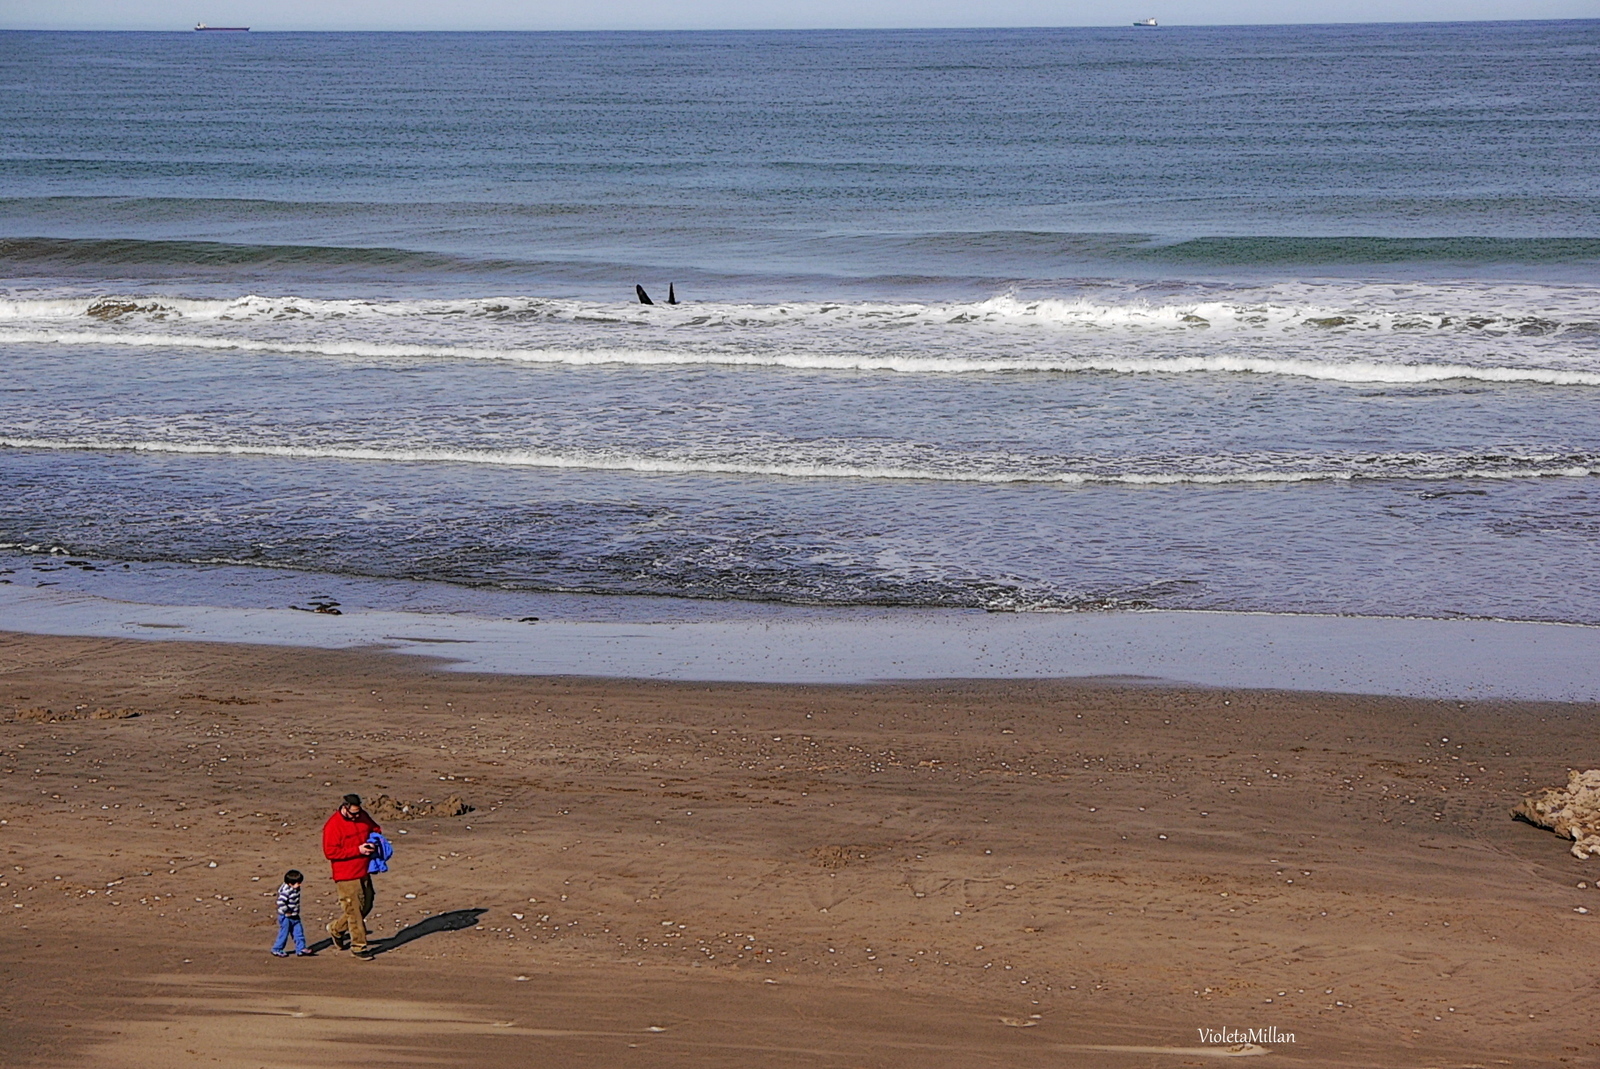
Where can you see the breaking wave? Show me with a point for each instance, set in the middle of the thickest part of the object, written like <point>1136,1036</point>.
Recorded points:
<point>1536,311</point>
<point>1090,248</point>
<point>69,253</point>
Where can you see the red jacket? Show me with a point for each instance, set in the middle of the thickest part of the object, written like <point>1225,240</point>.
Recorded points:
<point>341,844</point>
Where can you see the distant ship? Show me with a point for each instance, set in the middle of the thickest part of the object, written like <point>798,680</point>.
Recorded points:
<point>201,27</point>
<point>1141,22</point>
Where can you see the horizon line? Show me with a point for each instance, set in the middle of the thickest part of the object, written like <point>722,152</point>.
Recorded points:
<point>187,28</point>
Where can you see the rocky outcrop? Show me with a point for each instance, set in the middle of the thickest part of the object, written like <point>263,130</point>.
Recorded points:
<point>1572,811</point>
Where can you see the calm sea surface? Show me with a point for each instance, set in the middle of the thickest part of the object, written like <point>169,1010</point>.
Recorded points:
<point>1286,319</point>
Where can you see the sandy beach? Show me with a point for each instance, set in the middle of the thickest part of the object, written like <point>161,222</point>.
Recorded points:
<point>869,537</point>
<point>660,874</point>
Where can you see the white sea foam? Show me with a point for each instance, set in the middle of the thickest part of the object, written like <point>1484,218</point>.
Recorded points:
<point>1340,371</point>
<point>1287,306</point>
<point>1397,466</point>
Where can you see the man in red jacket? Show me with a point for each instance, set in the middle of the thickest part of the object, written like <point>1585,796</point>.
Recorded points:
<point>344,842</point>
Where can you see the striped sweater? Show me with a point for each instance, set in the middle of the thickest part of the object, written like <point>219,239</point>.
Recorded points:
<point>289,900</point>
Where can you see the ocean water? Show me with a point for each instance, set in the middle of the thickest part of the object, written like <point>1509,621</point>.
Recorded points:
<point>1252,318</point>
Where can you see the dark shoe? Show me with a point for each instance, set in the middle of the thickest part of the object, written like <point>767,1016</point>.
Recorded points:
<point>364,954</point>
<point>340,939</point>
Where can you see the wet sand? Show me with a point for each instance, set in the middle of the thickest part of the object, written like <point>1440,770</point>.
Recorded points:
<point>671,874</point>
<point>740,642</point>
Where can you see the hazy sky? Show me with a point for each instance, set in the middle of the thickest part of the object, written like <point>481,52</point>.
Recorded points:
<point>729,14</point>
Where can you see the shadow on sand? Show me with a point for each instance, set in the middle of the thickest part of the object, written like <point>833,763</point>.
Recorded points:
<point>454,921</point>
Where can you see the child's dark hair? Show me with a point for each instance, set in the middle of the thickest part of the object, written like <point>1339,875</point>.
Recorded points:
<point>294,876</point>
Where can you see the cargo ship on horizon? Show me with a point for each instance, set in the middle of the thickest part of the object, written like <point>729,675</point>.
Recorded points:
<point>201,27</point>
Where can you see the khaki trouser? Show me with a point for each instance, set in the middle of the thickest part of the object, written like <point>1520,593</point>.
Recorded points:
<point>355,901</point>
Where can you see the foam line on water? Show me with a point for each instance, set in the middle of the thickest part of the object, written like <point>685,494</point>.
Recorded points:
<point>1360,307</point>
<point>1352,372</point>
<point>1398,467</point>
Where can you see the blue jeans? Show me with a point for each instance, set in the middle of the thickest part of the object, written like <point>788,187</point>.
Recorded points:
<point>290,926</point>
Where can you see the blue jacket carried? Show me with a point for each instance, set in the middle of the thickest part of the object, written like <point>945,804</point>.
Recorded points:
<point>379,862</point>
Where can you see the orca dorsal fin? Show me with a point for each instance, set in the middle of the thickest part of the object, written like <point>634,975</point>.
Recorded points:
<point>672,294</point>
<point>644,298</point>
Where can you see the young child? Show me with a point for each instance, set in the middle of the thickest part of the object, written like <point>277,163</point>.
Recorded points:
<point>289,917</point>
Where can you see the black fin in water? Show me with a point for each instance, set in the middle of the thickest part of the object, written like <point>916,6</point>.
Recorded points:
<point>672,294</point>
<point>644,298</point>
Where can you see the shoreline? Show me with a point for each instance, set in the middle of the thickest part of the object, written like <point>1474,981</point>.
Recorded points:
<point>662,874</point>
<point>669,639</point>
